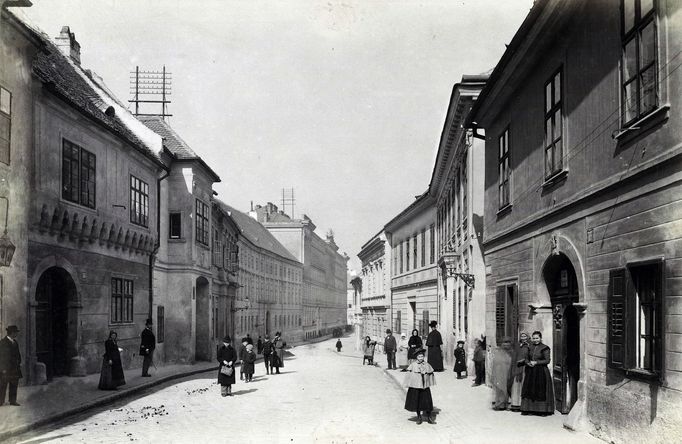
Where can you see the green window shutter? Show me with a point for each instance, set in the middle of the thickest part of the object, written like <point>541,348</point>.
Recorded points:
<point>617,320</point>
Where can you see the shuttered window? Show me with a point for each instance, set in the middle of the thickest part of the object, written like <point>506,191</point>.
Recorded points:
<point>500,294</point>
<point>506,312</point>
<point>617,327</point>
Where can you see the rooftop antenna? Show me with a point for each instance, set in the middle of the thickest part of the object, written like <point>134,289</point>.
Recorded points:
<point>288,199</point>
<point>151,87</point>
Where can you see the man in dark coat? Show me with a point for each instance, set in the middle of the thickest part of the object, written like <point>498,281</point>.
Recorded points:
<point>267,353</point>
<point>227,358</point>
<point>10,365</point>
<point>434,341</point>
<point>147,346</point>
<point>390,347</point>
<point>259,346</point>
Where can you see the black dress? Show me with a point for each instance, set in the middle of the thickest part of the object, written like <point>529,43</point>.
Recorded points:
<point>435,355</point>
<point>537,394</point>
<point>412,351</point>
<point>112,374</point>
<point>460,360</point>
<point>226,354</point>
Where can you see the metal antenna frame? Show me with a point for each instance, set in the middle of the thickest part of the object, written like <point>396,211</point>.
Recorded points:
<point>151,83</point>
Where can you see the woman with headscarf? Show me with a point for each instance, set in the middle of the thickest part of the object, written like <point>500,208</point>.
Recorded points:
<point>501,374</point>
<point>414,344</point>
<point>227,357</point>
<point>434,341</point>
<point>518,366</point>
<point>112,370</point>
<point>403,347</point>
<point>418,381</point>
<point>537,394</point>
<point>368,351</point>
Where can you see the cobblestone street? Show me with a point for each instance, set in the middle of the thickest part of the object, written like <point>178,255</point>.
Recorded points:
<point>320,396</point>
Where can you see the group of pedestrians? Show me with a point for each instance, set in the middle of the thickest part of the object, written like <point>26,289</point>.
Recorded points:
<point>273,358</point>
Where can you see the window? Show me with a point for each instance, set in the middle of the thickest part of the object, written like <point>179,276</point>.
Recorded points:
<point>401,257</point>
<point>121,301</point>
<point>139,202</point>
<point>425,323</point>
<point>414,251</point>
<point>639,87</point>
<point>397,328</point>
<point>432,244</point>
<point>217,249</point>
<point>5,124</point>
<point>635,319</point>
<point>423,249</point>
<point>78,174</point>
<point>202,222</point>
<point>504,172</point>
<point>175,225</point>
<point>160,324</point>
<point>465,210</point>
<point>553,126</point>
<point>506,312</point>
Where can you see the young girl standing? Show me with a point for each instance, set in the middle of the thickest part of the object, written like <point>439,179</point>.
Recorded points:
<point>418,381</point>
<point>460,360</point>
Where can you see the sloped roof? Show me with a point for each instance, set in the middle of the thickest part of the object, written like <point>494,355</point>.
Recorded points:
<point>256,233</point>
<point>173,142</point>
<point>75,85</point>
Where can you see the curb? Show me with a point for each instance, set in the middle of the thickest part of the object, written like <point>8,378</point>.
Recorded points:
<point>98,403</point>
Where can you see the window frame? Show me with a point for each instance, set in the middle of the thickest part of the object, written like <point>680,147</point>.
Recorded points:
<point>504,166</point>
<point>79,180</point>
<point>551,107</point>
<point>202,231</point>
<point>170,225</point>
<point>139,196</point>
<point>126,308</point>
<point>8,116</point>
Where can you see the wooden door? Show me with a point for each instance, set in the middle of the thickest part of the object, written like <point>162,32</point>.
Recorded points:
<point>559,373</point>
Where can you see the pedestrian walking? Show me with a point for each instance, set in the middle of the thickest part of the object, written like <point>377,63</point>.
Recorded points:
<point>227,357</point>
<point>111,375</point>
<point>259,345</point>
<point>434,342</point>
<point>249,364</point>
<point>10,365</point>
<point>368,351</point>
<point>415,344</point>
<point>460,360</point>
<point>403,347</point>
<point>338,345</point>
<point>278,344</point>
<point>267,353</point>
<point>501,374</point>
<point>419,380</point>
<point>242,356</point>
<point>537,394</point>
<point>518,367</point>
<point>390,348</point>
<point>147,346</point>
<point>479,362</point>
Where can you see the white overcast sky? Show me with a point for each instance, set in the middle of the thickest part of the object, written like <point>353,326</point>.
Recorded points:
<point>342,100</point>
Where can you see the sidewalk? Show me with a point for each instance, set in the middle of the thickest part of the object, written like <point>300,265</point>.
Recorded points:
<point>66,396</point>
<point>465,412</point>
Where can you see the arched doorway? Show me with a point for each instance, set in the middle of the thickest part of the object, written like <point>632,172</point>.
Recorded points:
<point>202,351</point>
<point>56,321</point>
<point>562,286</point>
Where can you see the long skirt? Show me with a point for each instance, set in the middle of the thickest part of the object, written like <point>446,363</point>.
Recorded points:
<point>516,393</point>
<point>109,377</point>
<point>418,400</point>
<point>537,395</point>
<point>435,358</point>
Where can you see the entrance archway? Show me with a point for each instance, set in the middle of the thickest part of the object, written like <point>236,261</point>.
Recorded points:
<point>56,321</point>
<point>562,286</point>
<point>202,351</point>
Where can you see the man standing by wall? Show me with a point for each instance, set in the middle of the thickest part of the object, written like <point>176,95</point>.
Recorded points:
<point>147,346</point>
<point>267,353</point>
<point>10,365</point>
<point>390,348</point>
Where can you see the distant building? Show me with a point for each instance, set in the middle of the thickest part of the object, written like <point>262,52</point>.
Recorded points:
<point>583,197</point>
<point>457,190</point>
<point>411,237</point>
<point>324,269</point>
<point>375,302</point>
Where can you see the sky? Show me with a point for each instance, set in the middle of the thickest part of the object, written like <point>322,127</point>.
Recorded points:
<point>344,101</point>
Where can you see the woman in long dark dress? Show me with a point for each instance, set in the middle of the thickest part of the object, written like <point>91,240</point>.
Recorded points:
<point>537,395</point>
<point>112,370</point>
<point>414,344</point>
<point>460,360</point>
<point>434,341</point>
<point>418,381</point>
<point>227,357</point>
<point>518,367</point>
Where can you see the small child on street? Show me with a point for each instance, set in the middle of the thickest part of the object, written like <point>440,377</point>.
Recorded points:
<point>418,381</point>
<point>338,345</point>
<point>249,363</point>
<point>460,360</point>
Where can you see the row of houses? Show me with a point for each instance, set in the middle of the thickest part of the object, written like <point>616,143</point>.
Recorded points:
<point>555,205</point>
<point>112,218</point>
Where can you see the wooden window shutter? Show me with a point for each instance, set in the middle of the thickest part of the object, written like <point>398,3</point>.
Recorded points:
<point>500,296</point>
<point>617,320</point>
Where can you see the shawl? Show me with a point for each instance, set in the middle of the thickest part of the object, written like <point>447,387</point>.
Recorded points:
<point>420,376</point>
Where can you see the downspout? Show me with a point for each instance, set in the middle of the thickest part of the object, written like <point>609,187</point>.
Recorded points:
<point>152,256</point>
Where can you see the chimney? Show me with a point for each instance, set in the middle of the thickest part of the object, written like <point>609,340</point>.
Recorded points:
<point>271,208</point>
<point>66,42</point>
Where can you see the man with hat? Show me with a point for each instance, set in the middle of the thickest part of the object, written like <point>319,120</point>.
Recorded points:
<point>390,347</point>
<point>434,341</point>
<point>147,346</point>
<point>10,365</point>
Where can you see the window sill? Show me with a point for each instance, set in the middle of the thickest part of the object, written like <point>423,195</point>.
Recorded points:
<point>177,241</point>
<point>505,209</point>
<point>642,374</point>
<point>555,178</point>
<point>640,126</point>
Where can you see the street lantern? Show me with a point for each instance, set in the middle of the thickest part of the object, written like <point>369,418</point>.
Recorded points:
<point>6,246</point>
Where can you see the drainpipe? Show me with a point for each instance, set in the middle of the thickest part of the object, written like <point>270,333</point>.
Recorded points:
<point>152,256</point>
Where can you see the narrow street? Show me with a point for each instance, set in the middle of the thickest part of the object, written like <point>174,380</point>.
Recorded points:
<point>320,396</point>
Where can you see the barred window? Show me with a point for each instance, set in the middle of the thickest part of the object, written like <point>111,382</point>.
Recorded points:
<point>78,174</point>
<point>139,202</point>
<point>202,223</point>
<point>121,301</point>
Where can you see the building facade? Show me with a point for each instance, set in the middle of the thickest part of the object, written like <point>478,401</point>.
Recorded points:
<point>375,302</point>
<point>457,188</point>
<point>582,208</point>
<point>324,269</point>
<point>411,236</point>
